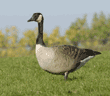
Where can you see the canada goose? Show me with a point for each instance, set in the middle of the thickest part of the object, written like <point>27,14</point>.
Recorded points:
<point>59,59</point>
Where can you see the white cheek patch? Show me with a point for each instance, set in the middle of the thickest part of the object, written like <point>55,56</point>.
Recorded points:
<point>39,19</point>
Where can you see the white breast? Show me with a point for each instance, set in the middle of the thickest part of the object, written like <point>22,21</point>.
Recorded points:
<point>38,46</point>
<point>44,56</point>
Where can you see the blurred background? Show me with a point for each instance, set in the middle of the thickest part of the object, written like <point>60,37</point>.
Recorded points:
<point>82,23</point>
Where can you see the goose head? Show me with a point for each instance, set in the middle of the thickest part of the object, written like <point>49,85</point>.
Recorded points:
<point>37,17</point>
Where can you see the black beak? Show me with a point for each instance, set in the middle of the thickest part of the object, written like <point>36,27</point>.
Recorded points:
<point>30,20</point>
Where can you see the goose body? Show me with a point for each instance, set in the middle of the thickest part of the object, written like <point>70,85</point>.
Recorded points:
<point>59,59</point>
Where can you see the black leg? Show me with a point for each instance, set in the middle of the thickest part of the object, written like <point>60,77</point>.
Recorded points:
<point>66,75</point>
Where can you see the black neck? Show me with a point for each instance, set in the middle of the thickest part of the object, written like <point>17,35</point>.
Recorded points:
<point>39,39</point>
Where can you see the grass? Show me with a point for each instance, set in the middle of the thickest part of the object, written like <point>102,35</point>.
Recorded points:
<point>22,76</point>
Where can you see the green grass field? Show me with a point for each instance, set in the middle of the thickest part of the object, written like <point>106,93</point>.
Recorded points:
<point>22,76</point>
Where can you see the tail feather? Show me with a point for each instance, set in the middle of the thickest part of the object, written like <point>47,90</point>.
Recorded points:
<point>90,52</point>
<point>96,53</point>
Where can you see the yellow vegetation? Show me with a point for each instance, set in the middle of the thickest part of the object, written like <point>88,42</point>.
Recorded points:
<point>77,34</point>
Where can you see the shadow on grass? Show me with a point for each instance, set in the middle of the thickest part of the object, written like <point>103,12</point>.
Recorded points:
<point>75,78</point>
